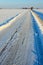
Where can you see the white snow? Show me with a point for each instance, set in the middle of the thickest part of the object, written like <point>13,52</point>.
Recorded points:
<point>39,10</point>
<point>6,31</point>
<point>39,21</point>
<point>17,38</point>
<point>6,14</point>
<point>17,41</point>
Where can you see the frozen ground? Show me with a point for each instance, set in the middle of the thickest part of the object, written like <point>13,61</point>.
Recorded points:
<point>21,40</point>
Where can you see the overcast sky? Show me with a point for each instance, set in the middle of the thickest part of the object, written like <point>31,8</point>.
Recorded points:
<point>20,3</point>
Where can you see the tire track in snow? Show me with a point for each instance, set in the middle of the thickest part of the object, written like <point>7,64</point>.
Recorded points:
<point>18,24</point>
<point>16,31</point>
<point>14,57</point>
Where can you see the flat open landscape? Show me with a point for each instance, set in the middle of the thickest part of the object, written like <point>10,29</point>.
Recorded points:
<point>21,37</point>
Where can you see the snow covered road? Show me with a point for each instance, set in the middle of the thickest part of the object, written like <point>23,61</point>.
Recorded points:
<point>19,41</point>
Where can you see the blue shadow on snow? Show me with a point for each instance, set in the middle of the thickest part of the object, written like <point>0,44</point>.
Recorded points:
<point>7,21</point>
<point>39,14</point>
<point>38,43</point>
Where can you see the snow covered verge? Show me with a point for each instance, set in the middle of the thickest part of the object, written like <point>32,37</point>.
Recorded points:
<point>38,36</point>
<point>39,23</point>
<point>38,20</point>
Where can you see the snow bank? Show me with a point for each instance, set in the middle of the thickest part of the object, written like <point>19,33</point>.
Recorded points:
<point>38,37</point>
<point>39,21</point>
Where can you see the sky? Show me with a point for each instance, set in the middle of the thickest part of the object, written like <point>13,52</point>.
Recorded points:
<point>21,3</point>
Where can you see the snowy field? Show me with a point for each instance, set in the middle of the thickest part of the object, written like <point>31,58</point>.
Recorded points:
<point>21,38</point>
<point>6,14</point>
<point>39,10</point>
